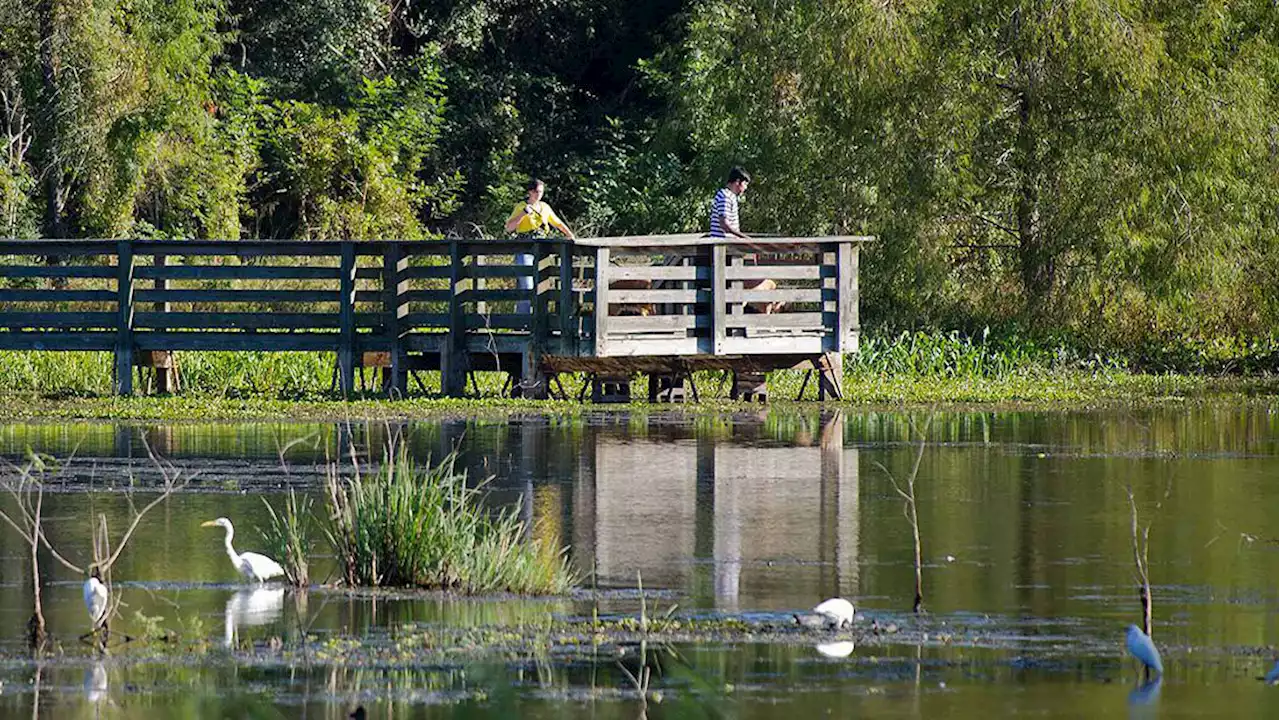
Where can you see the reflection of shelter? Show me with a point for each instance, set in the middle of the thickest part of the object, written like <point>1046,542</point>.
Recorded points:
<point>256,606</point>
<point>754,512</point>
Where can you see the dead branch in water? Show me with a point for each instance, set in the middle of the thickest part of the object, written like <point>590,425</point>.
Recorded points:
<point>909,510</point>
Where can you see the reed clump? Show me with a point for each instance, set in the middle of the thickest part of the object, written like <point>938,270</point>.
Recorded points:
<point>407,525</point>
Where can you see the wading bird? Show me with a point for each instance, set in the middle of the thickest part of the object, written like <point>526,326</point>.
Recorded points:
<point>251,565</point>
<point>95,598</point>
<point>836,611</point>
<point>1141,647</point>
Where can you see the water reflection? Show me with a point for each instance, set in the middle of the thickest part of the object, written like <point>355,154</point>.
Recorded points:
<point>95,683</point>
<point>840,649</point>
<point>249,607</point>
<point>1144,698</point>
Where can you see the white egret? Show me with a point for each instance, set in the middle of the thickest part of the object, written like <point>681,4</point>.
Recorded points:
<point>251,565</point>
<point>95,598</point>
<point>1141,647</point>
<point>835,611</point>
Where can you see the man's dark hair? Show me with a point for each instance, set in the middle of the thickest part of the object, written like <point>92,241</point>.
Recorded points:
<point>533,184</point>
<point>737,174</point>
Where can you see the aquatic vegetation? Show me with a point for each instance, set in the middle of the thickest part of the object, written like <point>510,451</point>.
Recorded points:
<point>424,527</point>
<point>289,537</point>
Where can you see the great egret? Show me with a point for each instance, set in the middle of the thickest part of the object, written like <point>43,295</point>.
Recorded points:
<point>836,611</point>
<point>95,598</point>
<point>1141,647</point>
<point>251,565</point>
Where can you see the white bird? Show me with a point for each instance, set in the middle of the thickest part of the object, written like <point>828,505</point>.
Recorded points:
<point>1141,647</point>
<point>836,611</point>
<point>95,598</point>
<point>251,565</point>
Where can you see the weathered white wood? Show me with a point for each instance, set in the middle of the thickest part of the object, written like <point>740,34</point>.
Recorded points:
<point>625,347</point>
<point>775,295</point>
<point>602,301</point>
<point>623,324</point>
<point>774,345</point>
<point>719,276</point>
<point>774,272</point>
<point>846,298</point>
<point>620,297</point>
<point>782,320</point>
<point>661,272</point>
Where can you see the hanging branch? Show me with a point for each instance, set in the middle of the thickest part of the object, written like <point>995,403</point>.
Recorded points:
<point>910,513</point>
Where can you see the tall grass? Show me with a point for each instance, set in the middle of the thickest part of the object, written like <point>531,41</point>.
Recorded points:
<point>289,537</point>
<point>424,527</point>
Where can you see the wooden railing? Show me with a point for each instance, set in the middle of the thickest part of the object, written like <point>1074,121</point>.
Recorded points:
<point>664,296</point>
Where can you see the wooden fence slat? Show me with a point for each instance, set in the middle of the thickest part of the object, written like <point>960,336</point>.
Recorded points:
<point>226,320</point>
<point>347,320</point>
<point>235,272</point>
<point>775,272</point>
<point>238,296</point>
<point>56,296</point>
<point>237,341</point>
<point>661,272</point>
<point>619,297</point>
<point>504,321</point>
<point>58,271</point>
<point>782,320</point>
<point>58,319</point>
<point>624,324</point>
<point>51,340</point>
<point>124,318</point>
<point>719,278</point>
<point>419,296</point>
<point>794,295</point>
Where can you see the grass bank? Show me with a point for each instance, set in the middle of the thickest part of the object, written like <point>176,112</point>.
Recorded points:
<point>904,369</point>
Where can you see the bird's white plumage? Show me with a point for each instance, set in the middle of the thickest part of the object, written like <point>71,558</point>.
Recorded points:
<point>1141,647</point>
<point>95,600</point>
<point>838,610</point>
<point>252,565</point>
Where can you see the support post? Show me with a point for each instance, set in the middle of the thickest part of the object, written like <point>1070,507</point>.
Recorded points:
<point>533,382</point>
<point>564,303</point>
<point>394,265</point>
<point>166,369</point>
<point>124,317</point>
<point>719,258</point>
<point>453,353</point>
<point>347,317</point>
<point>846,297</point>
<point>602,302</point>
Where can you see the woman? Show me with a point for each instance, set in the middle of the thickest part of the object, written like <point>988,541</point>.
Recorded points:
<point>532,218</point>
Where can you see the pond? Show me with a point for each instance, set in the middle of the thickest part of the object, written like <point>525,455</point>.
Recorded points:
<point>1025,527</point>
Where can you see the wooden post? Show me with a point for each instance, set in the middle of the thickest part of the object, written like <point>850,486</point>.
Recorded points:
<point>564,303</point>
<point>393,288</point>
<point>533,381</point>
<point>166,372</point>
<point>846,298</point>
<point>719,258</point>
<point>347,317</point>
<point>453,371</point>
<point>602,301</point>
<point>124,317</point>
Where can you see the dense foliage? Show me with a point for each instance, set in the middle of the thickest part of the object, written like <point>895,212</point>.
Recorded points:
<point>1102,171</point>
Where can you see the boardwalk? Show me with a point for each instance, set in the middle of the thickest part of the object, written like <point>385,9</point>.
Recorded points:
<point>665,305</point>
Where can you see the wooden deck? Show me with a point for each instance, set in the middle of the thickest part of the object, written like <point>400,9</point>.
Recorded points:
<point>609,306</point>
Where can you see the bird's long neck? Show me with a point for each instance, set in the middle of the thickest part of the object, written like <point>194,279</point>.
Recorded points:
<point>231,552</point>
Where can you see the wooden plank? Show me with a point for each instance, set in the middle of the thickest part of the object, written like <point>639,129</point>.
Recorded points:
<point>628,347</point>
<point>488,295</point>
<point>58,341</point>
<point>602,301</point>
<point>775,272</point>
<point>497,271</point>
<point>58,319</point>
<point>781,345</point>
<point>627,324</point>
<point>237,296</point>
<point>421,321</point>
<point>266,341</point>
<point>124,318</point>
<point>784,320</point>
<point>394,309</point>
<point>619,297</point>
<point>57,271</point>
<point>795,295</point>
<point>848,324</point>
<point>565,308</point>
<point>453,371</point>
<point>720,275</point>
<point>56,296</point>
<point>235,272</point>
<point>106,248</point>
<point>227,320</point>
<point>420,296</point>
<point>423,272</point>
<point>661,272</point>
<point>247,248</point>
<point>504,321</point>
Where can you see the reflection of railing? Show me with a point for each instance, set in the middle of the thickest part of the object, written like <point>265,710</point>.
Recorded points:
<point>452,303</point>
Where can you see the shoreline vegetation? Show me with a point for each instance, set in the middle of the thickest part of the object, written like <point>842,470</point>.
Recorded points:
<point>908,369</point>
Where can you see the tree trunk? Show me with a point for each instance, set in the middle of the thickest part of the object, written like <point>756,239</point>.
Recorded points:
<point>50,134</point>
<point>36,634</point>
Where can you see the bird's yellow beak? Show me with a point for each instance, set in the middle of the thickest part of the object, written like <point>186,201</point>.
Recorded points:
<point>210,523</point>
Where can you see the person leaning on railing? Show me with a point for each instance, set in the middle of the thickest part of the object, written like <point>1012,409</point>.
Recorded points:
<point>724,223</point>
<point>532,219</point>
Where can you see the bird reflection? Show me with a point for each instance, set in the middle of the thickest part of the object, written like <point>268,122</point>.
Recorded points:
<point>1142,699</point>
<point>252,606</point>
<point>840,649</point>
<point>95,683</point>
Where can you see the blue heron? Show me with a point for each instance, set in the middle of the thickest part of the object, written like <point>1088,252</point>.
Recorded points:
<point>1141,647</point>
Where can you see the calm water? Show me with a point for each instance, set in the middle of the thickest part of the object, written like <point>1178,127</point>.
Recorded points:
<point>1025,525</point>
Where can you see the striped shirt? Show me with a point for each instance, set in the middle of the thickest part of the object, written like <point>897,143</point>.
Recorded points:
<point>726,205</point>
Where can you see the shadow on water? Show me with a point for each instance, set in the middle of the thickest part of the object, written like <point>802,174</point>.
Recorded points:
<point>746,517</point>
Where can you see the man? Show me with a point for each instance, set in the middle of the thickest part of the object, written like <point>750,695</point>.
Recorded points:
<point>724,208</point>
<point>724,223</point>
